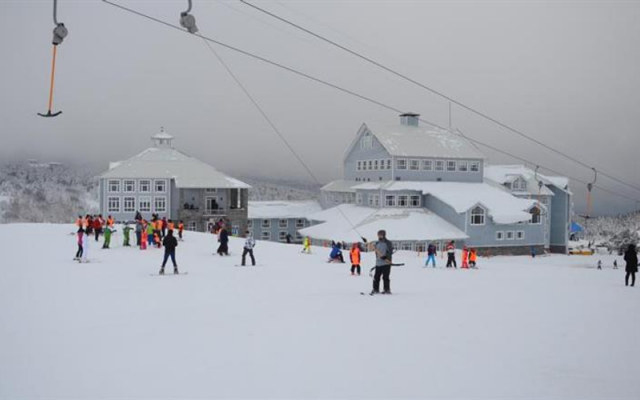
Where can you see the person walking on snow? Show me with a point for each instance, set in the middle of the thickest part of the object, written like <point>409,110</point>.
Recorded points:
<point>223,249</point>
<point>126,231</point>
<point>180,229</point>
<point>249,244</point>
<point>80,239</point>
<point>384,254</point>
<point>631,257</point>
<point>306,245</point>
<point>451,255</point>
<point>355,258</point>
<point>97,226</point>
<point>170,243</point>
<point>431,255</point>
<point>465,258</point>
<point>107,237</point>
<point>138,233</point>
<point>473,257</point>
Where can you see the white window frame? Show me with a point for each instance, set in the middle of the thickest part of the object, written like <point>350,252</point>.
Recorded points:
<point>383,165</point>
<point>427,165</point>
<point>391,197</point>
<point>463,166</point>
<point>191,226</point>
<point>132,201</point>
<point>519,235</point>
<point>519,184</point>
<point>282,236</point>
<point>265,224</point>
<point>265,235</point>
<point>401,164</point>
<point>510,235</point>
<point>415,200</point>
<point>370,165</point>
<point>474,166</point>
<point>298,237</point>
<point>126,182</point>
<point>452,166</point>
<point>283,223</point>
<point>155,204</point>
<point>376,200</point>
<point>145,200</point>
<point>359,198</point>
<point>145,182</point>
<point>414,165</point>
<point>211,190</point>
<point>473,214</point>
<point>300,223</point>
<point>364,165</point>
<point>113,186</point>
<point>155,185</point>
<point>117,202</point>
<point>536,215</point>
<point>439,165</point>
<point>389,163</point>
<point>406,246</point>
<point>499,236</point>
<point>367,141</point>
<point>403,198</point>
<point>375,165</point>
<point>358,165</point>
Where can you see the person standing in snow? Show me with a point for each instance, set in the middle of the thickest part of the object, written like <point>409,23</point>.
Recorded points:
<point>384,254</point>
<point>97,226</point>
<point>533,252</point>
<point>249,244</point>
<point>451,255</point>
<point>615,264</point>
<point>138,232</point>
<point>631,257</point>
<point>85,245</point>
<point>355,258</point>
<point>163,226</point>
<point>150,231</point>
<point>599,264</point>
<point>465,258</point>
<point>180,229</point>
<point>336,254</point>
<point>126,231</point>
<point>431,255</point>
<point>289,238</point>
<point>473,257</point>
<point>306,245</point>
<point>170,243</point>
<point>223,249</point>
<point>80,239</point>
<point>107,237</point>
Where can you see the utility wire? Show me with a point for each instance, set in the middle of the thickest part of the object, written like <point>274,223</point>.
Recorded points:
<point>318,80</point>
<point>438,93</point>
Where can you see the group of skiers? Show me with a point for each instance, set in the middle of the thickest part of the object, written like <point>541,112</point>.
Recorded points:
<point>92,226</point>
<point>469,256</point>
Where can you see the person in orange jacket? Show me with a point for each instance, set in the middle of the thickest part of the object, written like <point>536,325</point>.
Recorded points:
<point>180,229</point>
<point>110,222</point>
<point>473,257</point>
<point>170,225</point>
<point>355,258</point>
<point>465,258</point>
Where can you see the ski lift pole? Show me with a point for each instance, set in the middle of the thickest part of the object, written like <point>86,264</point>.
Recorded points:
<point>59,33</point>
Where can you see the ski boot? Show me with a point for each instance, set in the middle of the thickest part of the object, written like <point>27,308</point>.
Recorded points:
<point>387,292</point>
<point>374,292</point>
<point>175,270</point>
<point>161,271</point>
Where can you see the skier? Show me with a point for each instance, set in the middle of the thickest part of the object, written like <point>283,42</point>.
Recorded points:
<point>384,255</point>
<point>473,257</point>
<point>180,229</point>
<point>336,254</point>
<point>306,245</point>
<point>138,216</point>
<point>533,252</point>
<point>355,258</point>
<point>631,257</point>
<point>431,255</point>
<point>289,238</point>
<point>170,243</point>
<point>163,226</point>
<point>107,237</point>
<point>85,245</point>
<point>126,232</point>
<point>170,225</point>
<point>139,232</point>
<point>451,255</point>
<point>97,226</point>
<point>80,238</point>
<point>223,249</point>
<point>150,231</point>
<point>599,264</point>
<point>615,264</point>
<point>465,258</point>
<point>249,244</point>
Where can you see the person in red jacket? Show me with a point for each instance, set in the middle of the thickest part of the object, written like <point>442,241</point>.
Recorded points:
<point>97,226</point>
<point>465,258</point>
<point>355,258</point>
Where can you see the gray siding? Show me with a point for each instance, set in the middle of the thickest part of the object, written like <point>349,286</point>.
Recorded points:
<point>169,195</point>
<point>560,220</point>
<point>377,152</point>
<point>275,229</point>
<point>430,176</point>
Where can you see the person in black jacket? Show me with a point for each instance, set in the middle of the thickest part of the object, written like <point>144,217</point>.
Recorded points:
<point>631,257</point>
<point>170,243</point>
<point>223,249</point>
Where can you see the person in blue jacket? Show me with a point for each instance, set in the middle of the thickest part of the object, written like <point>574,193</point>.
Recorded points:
<point>336,254</point>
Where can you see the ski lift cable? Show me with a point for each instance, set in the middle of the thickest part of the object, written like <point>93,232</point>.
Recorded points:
<point>437,93</point>
<point>344,90</point>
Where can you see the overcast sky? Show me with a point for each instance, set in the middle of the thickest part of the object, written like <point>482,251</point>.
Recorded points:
<point>566,73</point>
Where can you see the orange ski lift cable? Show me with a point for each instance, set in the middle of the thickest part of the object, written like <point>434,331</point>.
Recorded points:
<point>59,33</point>
<point>188,21</point>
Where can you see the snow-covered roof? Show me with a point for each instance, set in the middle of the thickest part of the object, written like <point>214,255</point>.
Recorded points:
<point>502,206</point>
<point>507,173</point>
<point>423,141</point>
<point>188,172</point>
<point>282,209</point>
<point>340,186</point>
<point>349,222</point>
<point>162,135</point>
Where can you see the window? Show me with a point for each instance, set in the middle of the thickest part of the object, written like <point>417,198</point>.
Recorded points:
<point>144,204</point>
<point>509,235</point>
<point>427,165</point>
<point>266,223</point>
<point>364,165</point>
<point>390,200</point>
<point>129,186</point>
<point>477,216</point>
<point>414,165</point>
<point>160,186</point>
<point>474,166</point>
<point>359,166</point>
<point>536,216</point>
<point>114,186</point>
<point>192,226</point>
<point>250,224</point>
<point>403,200</point>
<point>463,166</point>
<point>129,204</point>
<point>282,236</point>
<point>382,164</point>
<point>376,199</point>
<point>407,246</point>
<point>401,163</point>
<point>283,223</point>
<point>375,165</point>
<point>500,235</point>
<point>367,141</point>
<point>389,163</point>
<point>415,200</point>
<point>439,165</point>
<point>520,235</point>
<point>451,166</point>
<point>113,204</point>
<point>265,235</point>
<point>211,190</point>
<point>160,204</point>
<point>298,237</point>
<point>300,223</point>
<point>358,198</point>
<point>144,186</point>
<point>519,185</point>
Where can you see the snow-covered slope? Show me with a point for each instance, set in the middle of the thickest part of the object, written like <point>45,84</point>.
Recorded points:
<point>296,327</point>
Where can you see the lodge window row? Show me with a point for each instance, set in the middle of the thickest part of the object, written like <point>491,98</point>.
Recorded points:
<point>404,164</point>
<point>125,204</point>
<point>509,235</point>
<point>143,185</point>
<point>282,223</point>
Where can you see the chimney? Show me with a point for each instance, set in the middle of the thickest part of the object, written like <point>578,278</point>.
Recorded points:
<point>409,119</point>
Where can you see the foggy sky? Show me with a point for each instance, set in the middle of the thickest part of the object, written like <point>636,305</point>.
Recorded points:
<point>566,73</point>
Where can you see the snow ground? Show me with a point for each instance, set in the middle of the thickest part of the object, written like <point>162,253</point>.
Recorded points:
<point>553,327</point>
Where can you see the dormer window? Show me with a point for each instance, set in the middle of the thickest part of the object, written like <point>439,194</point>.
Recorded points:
<point>536,215</point>
<point>477,215</point>
<point>519,185</point>
<point>367,141</point>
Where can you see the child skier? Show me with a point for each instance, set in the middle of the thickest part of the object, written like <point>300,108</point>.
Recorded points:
<point>170,243</point>
<point>80,238</point>
<point>85,245</point>
<point>126,232</point>
<point>465,258</point>
<point>431,255</point>
<point>223,249</point>
<point>180,229</point>
<point>473,257</point>
<point>306,245</point>
<point>150,234</point>
<point>139,227</point>
<point>355,258</point>
<point>599,264</point>
<point>451,255</point>
<point>249,244</point>
<point>615,264</point>
<point>107,237</point>
<point>336,254</point>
